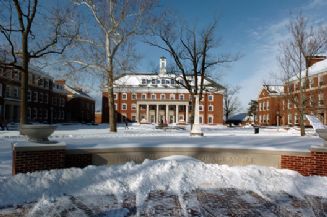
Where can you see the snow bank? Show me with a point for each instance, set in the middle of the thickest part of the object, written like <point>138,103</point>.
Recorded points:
<point>176,176</point>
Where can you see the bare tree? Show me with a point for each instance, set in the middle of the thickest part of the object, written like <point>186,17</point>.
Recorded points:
<point>192,52</point>
<point>118,22</point>
<point>28,38</point>
<point>305,41</point>
<point>231,101</point>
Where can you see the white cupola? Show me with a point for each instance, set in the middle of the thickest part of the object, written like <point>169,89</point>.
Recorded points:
<point>163,65</point>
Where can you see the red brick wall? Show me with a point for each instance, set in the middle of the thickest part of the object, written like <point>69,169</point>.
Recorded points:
<point>30,161</point>
<point>314,164</point>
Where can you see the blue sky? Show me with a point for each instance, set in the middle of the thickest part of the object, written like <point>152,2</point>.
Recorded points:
<point>252,27</point>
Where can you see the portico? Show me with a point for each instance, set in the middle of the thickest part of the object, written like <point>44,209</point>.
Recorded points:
<point>165,111</point>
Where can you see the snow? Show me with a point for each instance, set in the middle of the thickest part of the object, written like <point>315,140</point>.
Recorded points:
<point>176,174</point>
<point>315,122</point>
<point>318,67</point>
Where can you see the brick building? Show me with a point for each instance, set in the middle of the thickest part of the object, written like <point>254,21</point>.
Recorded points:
<point>281,103</point>
<point>155,98</point>
<point>44,99</point>
<point>80,107</point>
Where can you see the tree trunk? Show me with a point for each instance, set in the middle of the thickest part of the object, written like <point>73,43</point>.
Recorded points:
<point>24,80</point>
<point>111,102</point>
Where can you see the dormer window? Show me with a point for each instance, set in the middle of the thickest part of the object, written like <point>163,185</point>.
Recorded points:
<point>153,81</point>
<point>163,81</point>
<point>144,81</point>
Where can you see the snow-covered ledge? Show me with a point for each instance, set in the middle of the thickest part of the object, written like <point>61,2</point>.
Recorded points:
<point>34,146</point>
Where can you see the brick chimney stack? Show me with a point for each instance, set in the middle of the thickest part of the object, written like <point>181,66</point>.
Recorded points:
<point>62,82</point>
<point>314,59</point>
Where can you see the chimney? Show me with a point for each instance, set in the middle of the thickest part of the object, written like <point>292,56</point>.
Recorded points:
<point>163,65</point>
<point>314,59</point>
<point>62,82</point>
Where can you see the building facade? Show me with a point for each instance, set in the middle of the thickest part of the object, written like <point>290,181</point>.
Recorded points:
<point>79,107</point>
<point>44,99</point>
<point>284,104</point>
<point>160,98</point>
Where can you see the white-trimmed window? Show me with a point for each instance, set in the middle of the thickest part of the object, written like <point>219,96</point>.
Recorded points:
<point>201,119</point>
<point>200,107</point>
<point>124,106</point>
<point>153,96</point>
<point>133,106</point>
<point>144,81</point>
<point>41,98</point>
<point>29,113</point>
<point>115,96</point>
<point>210,108</point>
<point>46,98</point>
<point>210,97</point>
<point>35,96</point>
<point>289,119</point>
<point>210,119</point>
<point>29,97</point>
<point>143,96</point>
<point>0,89</point>
<point>133,117</point>
<point>181,97</point>
<point>162,96</point>
<point>116,107</point>
<point>153,81</point>
<point>124,96</point>
<point>34,114</point>
<point>134,96</point>
<point>172,96</point>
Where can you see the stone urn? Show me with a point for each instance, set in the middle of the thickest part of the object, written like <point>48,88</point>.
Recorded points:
<point>37,132</point>
<point>323,134</point>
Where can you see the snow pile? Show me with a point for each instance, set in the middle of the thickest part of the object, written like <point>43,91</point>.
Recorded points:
<point>176,174</point>
<point>315,122</point>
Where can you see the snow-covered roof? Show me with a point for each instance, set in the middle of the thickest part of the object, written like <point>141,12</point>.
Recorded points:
<point>318,67</point>
<point>77,93</point>
<point>157,80</point>
<point>238,117</point>
<point>275,89</point>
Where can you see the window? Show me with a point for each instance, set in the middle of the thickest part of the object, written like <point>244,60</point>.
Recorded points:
<point>41,98</point>
<point>7,92</point>
<point>34,114</point>
<point>15,92</point>
<point>124,106</point>
<point>28,113</point>
<point>200,119</point>
<point>46,83</point>
<point>210,97</point>
<point>41,82</point>
<point>210,108</point>
<point>46,98</point>
<point>124,96</point>
<point>35,96</point>
<point>116,107</point>
<point>133,106</point>
<point>267,105</point>
<point>289,117</point>
<point>143,96</point>
<point>162,96</point>
<point>134,96</point>
<point>172,81</point>
<point>115,96</point>
<point>153,81</point>
<point>54,101</point>
<point>133,118</point>
<point>200,107</point>
<point>181,97</point>
<point>172,96</point>
<point>210,120</point>
<point>163,81</point>
<point>144,81</point>
<point>153,96</point>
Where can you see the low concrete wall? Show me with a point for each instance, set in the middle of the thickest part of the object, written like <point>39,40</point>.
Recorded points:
<point>35,157</point>
<point>232,157</point>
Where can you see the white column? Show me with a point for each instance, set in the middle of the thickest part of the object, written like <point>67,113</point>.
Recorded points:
<point>157,114</point>
<point>147,113</point>
<point>177,118</point>
<point>137,113</point>
<point>167,106</point>
<point>186,118</point>
<point>196,128</point>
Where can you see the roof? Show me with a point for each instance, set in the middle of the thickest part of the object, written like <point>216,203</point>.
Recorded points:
<point>238,117</point>
<point>275,89</point>
<point>317,68</point>
<point>77,93</point>
<point>135,80</point>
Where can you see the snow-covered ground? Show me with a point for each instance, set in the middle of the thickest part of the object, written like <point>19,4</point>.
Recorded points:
<point>176,175</point>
